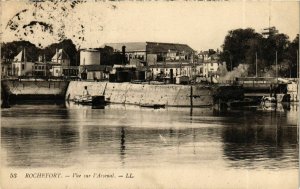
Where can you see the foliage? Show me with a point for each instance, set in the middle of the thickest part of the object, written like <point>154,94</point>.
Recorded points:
<point>245,46</point>
<point>68,46</point>
<point>12,49</point>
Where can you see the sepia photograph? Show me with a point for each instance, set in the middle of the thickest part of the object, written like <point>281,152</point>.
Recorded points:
<point>142,94</point>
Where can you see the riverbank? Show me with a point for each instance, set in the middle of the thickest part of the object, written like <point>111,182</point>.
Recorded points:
<point>122,93</point>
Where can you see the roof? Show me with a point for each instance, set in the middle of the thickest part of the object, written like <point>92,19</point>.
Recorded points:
<point>156,47</point>
<point>20,57</point>
<point>170,65</point>
<point>151,47</point>
<point>60,55</point>
<point>130,46</point>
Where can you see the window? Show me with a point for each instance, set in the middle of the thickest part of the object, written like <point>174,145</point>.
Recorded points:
<point>56,71</point>
<point>23,66</point>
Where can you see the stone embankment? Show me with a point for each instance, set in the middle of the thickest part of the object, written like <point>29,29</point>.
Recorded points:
<point>139,94</point>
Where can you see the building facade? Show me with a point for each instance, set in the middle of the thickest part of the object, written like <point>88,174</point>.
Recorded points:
<point>151,53</point>
<point>20,65</point>
<point>59,62</point>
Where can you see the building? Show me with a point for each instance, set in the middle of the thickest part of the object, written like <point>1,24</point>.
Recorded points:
<point>90,65</point>
<point>127,73</point>
<point>171,70</point>
<point>89,57</point>
<point>95,72</point>
<point>210,63</point>
<point>6,68</point>
<point>60,63</point>
<point>41,68</point>
<point>150,53</point>
<point>133,50</point>
<point>20,65</point>
<point>210,69</point>
<point>61,58</point>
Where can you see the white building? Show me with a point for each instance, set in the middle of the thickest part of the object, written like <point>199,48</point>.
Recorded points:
<point>61,58</point>
<point>89,57</point>
<point>169,70</point>
<point>59,62</point>
<point>210,68</point>
<point>20,66</point>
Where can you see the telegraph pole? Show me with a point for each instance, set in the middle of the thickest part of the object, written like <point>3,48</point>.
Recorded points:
<point>276,68</point>
<point>256,64</point>
<point>298,70</point>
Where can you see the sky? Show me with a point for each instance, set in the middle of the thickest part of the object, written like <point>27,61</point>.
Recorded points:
<point>201,25</point>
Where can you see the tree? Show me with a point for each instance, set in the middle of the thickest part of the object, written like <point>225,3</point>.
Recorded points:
<point>68,46</point>
<point>241,46</point>
<point>291,56</point>
<point>238,45</point>
<point>11,49</point>
<point>272,44</point>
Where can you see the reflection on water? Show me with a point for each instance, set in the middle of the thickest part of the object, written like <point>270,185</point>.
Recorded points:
<point>134,137</point>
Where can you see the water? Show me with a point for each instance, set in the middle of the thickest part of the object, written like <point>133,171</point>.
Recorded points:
<point>255,141</point>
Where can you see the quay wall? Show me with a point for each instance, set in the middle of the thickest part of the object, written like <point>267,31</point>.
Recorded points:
<point>139,94</point>
<point>28,89</point>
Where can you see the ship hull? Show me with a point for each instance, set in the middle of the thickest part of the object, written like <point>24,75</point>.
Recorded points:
<point>28,90</point>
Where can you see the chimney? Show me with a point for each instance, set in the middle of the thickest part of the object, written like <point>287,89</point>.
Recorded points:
<point>24,54</point>
<point>56,55</point>
<point>123,55</point>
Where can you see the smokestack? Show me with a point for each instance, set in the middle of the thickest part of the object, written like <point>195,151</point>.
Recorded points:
<point>24,54</point>
<point>123,55</point>
<point>56,55</point>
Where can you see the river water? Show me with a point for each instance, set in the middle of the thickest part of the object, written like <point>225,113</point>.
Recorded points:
<point>254,147</point>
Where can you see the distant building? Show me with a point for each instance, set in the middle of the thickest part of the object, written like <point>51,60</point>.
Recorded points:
<point>171,70</point>
<point>127,73</point>
<point>89,57</point>
<point>208,56</point>
<point>6,68</point>
<point>41,68</point>
<point>151,53</point>
<point>210,68</point>
<point>210,62</point>
<point>90,65</point>
<point>20,65</point>
<point>60,63</point>
<point>94,72</point>
<point>61,58</point>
